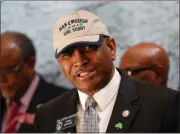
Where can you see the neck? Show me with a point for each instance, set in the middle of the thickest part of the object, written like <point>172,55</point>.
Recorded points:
<point>92,92</point>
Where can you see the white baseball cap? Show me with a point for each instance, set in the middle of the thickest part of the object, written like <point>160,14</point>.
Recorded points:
<point>78,28</point>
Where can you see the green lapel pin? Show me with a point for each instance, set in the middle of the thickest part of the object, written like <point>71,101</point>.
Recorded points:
<point>81,24</point>
<point>119,126</point>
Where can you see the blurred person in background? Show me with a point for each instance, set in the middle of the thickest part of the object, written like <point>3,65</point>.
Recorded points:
<point>2,106</point>
<point>22,88</point>
<point>146,61</point>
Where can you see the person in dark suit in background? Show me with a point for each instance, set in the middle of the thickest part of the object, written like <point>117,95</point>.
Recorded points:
<point>22,88</point>
<point>179,114</point>
<point>2,107</point>
<point>105,99</point>
<point>146,61</point>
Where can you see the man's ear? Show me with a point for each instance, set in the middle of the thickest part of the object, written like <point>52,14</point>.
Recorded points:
<point>160,77</point>
<point>112,46</point>
<point>31,61</point>
<point>29,65</point>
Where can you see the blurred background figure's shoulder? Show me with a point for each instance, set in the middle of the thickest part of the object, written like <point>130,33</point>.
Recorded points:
<point>50,90</point>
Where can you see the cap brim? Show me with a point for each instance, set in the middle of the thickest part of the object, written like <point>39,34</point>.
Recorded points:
<point>85,40</point>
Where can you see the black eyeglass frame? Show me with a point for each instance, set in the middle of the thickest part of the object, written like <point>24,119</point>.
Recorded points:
<point>10,70</point>
<point>139,70</point>
<point>13,69</point>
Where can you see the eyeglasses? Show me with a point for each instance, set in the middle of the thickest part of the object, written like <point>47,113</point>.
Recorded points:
<point>10,70</point>
<point>139,70</point>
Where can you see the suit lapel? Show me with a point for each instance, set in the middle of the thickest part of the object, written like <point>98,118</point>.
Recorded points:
<point>69,110</point>
<point>31,109</point>
<point>125,107</point>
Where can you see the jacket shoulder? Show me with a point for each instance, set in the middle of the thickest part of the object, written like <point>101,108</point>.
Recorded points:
<point>43,84</point>
<point>154,91</point>
<point>61,100</point>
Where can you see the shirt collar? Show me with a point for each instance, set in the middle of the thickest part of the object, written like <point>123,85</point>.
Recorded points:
<point>104,96</point>
<point>26,98</point>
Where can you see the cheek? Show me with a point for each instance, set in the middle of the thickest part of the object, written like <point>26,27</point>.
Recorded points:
<point>143,76</point>
<point>14,80</point>
<point>138,77</point>
<point>106,61</point>
<point>66,69</point>
<point>20,79</point>
<point>23,76</point>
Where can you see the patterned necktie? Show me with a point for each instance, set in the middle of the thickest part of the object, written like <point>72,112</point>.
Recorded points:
<point>90,122</point>
<point>12,118</point>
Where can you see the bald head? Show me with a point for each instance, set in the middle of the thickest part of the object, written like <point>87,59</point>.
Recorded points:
<point>147,55</point>
<point>17,60</point>
<point>17,41</point>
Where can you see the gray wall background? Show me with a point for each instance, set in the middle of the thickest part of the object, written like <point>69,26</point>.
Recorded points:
<point>129,22</point>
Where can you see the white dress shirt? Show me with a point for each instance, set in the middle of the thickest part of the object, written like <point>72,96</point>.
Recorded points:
<point>105,99</point>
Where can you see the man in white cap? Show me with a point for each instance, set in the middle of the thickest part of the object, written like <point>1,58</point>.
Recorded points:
<point>105,99</point>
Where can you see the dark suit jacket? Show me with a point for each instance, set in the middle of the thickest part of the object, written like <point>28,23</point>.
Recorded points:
<point>44,92</point>
<point>152,108</point>
<point>179,110</point>
<point>2,107</point>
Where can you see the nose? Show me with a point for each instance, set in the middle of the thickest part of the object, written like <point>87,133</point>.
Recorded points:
<point>79,58</point>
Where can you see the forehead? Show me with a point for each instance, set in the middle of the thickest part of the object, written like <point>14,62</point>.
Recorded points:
<point>10,53</point>
<point>135,59</point>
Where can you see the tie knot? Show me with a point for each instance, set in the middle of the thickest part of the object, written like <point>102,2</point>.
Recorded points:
<point>90,102</point>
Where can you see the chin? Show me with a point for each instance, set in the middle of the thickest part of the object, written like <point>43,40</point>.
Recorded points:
<point>88,88</point>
